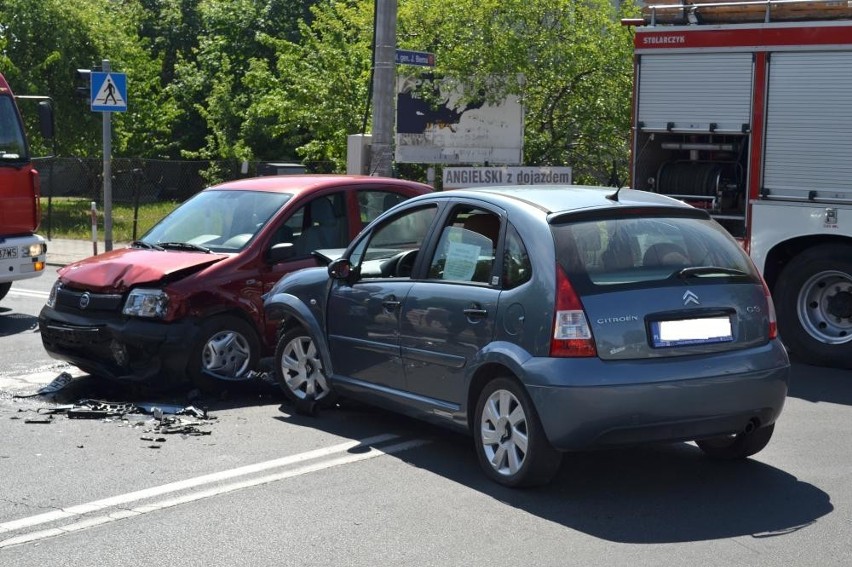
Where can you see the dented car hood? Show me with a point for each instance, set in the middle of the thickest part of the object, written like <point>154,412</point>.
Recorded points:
<point>119,270</point>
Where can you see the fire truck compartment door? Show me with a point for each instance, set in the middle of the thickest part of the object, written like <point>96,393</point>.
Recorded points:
<point>690,91</point>
<point>809,125</point>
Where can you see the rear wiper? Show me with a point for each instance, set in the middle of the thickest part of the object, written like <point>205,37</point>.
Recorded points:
<point>184,246</point>
<point>709,271</point>
<point>146,245</point>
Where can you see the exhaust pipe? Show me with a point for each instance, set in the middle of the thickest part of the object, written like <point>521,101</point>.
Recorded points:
<point>752,424</point>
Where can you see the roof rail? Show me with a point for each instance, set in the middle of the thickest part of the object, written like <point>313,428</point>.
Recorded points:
<point>696,12</point>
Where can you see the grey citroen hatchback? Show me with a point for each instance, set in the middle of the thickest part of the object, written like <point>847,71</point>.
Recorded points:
<point>541,320</point>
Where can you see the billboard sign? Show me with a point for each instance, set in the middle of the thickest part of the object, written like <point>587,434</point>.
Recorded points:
<point>435,124</point>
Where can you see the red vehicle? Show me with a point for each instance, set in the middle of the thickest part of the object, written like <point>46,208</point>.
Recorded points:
<point>185,301</point>
<point>22,251</point>
<point>745,109</point>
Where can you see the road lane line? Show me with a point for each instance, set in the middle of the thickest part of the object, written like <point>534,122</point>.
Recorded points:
<point>64,513</point>
<point>29,293</point>
<point>193,497</point>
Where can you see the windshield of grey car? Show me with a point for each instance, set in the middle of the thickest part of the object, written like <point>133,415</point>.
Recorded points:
<point>218,220</point>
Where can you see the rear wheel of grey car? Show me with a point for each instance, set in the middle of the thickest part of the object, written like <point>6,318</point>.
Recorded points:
<point>227,349</point>
<point>510,441</point>
<point>740,446</point>
<point>300,372</point>
<point>813,298</point>
<point>4,289</point>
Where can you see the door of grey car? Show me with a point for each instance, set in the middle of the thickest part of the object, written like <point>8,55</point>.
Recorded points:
<point>449,314</point>
<point>363,313</point>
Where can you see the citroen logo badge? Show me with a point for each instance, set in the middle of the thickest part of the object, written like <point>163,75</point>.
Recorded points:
<point>84,300</point>
<point>690,297</point>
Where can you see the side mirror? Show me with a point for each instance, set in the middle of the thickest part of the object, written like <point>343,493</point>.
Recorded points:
<point>280,252</point>
<point>45,118</point>
<point>340,269</point>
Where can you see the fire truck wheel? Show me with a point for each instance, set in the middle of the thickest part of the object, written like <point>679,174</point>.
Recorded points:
<point>4,289</point>
<point>813,299</point>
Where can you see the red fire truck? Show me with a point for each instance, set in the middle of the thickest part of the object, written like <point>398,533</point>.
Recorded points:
<point>745,109</point>
<point>22,251</point>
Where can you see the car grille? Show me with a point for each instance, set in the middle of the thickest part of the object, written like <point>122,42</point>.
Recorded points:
<point>71,300</point>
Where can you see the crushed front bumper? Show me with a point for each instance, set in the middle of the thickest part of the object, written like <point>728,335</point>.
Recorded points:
<point>120,348</point>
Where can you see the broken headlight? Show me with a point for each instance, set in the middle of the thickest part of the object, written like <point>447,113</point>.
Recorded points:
<point>146,303</point>
<point>51,298</point>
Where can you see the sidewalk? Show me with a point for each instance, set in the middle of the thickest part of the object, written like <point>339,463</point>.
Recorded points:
<point>61,251</point>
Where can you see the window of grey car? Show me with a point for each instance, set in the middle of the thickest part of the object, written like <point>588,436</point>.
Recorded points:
<point>221,221</point>
<point>467,247</point>
<point>638,251</point>
<point>391,248</point>
<point>517,268</point>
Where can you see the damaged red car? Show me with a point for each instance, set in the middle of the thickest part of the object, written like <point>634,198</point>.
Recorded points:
<point>184,302</point>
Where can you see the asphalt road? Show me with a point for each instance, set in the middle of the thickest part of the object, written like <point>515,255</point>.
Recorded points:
<point>259,485</point>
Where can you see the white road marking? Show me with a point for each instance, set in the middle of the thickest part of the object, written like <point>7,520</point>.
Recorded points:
<point>98,505</point>
<point>29,293</point>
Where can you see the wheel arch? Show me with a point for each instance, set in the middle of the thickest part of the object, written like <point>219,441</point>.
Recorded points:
<point>780,255</point>
<point>499,358</point>
<point>291,312</point>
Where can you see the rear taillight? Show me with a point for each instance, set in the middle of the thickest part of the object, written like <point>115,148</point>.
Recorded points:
<point>572,336</point>
<point>773,323</point>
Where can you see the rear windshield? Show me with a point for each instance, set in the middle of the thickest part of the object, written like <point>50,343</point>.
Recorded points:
<point>648,251</point>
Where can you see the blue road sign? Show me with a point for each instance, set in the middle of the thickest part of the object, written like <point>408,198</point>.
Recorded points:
<point>109,92</point>
<point>420,58</point>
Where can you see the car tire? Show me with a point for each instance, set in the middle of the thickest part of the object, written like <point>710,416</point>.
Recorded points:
<point>511,445</point>
<point>300,372</point>
<point>813,297</point>
<point>4,289</point>
<point>735,447</point>
<point>227,350</point>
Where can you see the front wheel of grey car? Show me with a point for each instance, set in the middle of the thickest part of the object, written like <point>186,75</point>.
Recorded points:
<point>510,441</point>
<point>299,371</point>
<point>739,446</point>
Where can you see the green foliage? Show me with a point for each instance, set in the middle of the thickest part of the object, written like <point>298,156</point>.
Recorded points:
<point>569,61</point>
<point>290,79</point>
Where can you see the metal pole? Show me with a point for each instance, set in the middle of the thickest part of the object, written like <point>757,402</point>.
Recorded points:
<point>384,88</point>
<point>107,136</point>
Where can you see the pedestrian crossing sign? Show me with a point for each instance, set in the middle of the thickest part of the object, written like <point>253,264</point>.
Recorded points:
<point>109,92</point>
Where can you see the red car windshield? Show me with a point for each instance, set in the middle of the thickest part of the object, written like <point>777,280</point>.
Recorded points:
<point>13,146</point>
<point>219,221</point>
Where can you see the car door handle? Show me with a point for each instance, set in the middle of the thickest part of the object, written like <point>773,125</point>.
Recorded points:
<point>475,312</point>
<point>391,303</point>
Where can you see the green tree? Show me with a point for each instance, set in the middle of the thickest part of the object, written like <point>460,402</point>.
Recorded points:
<point>569,61</point>
<point>215,83</point>
<point>46,40</point>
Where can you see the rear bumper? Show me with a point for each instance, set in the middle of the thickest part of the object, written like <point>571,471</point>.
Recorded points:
<point>634,402</point>
<point>119,348</point>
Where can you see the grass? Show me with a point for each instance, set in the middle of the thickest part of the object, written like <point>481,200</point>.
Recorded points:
<point>70,217</point>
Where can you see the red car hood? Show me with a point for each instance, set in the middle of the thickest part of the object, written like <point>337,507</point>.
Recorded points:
<point>119,270</point>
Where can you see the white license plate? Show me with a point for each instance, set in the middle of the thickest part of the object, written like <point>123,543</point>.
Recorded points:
<point>10,252</point>
<point>691,331</point>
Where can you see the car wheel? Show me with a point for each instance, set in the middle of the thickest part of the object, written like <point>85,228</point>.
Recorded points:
<point>740,446</point>
<point>4,289</point>
<point>814,303</point>
<point>510,441</point>
<point>227,349</point>
<point>299,370</point>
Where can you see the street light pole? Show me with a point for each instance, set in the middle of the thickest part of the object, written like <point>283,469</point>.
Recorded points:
<point>384,87</point>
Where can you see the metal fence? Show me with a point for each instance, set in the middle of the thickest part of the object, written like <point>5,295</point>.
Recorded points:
<point>137,181</point>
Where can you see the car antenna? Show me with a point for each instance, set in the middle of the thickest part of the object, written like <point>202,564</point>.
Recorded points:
<point>614,196</point>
